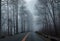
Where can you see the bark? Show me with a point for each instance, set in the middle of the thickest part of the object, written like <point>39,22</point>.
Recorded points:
<point>0,17</point>
<point>8,16</point>
<point>17,18</point>
<point>13,19</point>
<point>54,17</point>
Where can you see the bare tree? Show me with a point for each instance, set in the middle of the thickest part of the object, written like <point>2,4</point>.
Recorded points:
<point>14,18</point>
<point>8,15</point>
<point>17,16</point>
<point>0,17</point>
<point>22,16</point>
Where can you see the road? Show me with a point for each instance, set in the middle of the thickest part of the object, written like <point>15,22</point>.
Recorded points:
<point>24,37</point>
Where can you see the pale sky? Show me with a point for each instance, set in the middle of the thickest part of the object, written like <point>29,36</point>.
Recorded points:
<point>30,4</point>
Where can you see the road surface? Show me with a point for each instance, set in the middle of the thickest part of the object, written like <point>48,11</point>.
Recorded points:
<point>24,37</point>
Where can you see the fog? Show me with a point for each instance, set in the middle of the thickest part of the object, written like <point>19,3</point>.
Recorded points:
<point>30,15</point>
<point>30,4</point>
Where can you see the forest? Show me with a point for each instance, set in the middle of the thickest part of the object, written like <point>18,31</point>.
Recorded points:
<point>19,16</point>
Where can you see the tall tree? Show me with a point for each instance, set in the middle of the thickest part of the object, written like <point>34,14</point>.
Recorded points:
<point>8,14</point>
<point>16,16</point>
<point>13,17</point>
<point>52,14</point>
<point>0,17</point>
<point>22,10</point>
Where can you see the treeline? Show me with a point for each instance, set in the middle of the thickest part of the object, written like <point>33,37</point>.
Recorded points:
<point>50,12</point>
<point>14,17</point>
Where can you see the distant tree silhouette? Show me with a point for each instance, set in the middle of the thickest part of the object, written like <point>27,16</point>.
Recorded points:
<point>8,15</point>
<point>0,17</point>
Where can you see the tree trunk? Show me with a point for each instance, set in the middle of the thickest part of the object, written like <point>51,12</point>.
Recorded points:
<point>13,17</point>
<point>21,23</point>
<point>8,16</point>
<point>0,17</point>
<point>17,17</point>
<point>54,18</point>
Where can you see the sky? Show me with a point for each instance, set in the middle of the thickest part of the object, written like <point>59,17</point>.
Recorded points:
<point>30,4</point>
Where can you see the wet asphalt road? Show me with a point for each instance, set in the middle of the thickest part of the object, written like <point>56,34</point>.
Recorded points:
<point>20,37</point>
